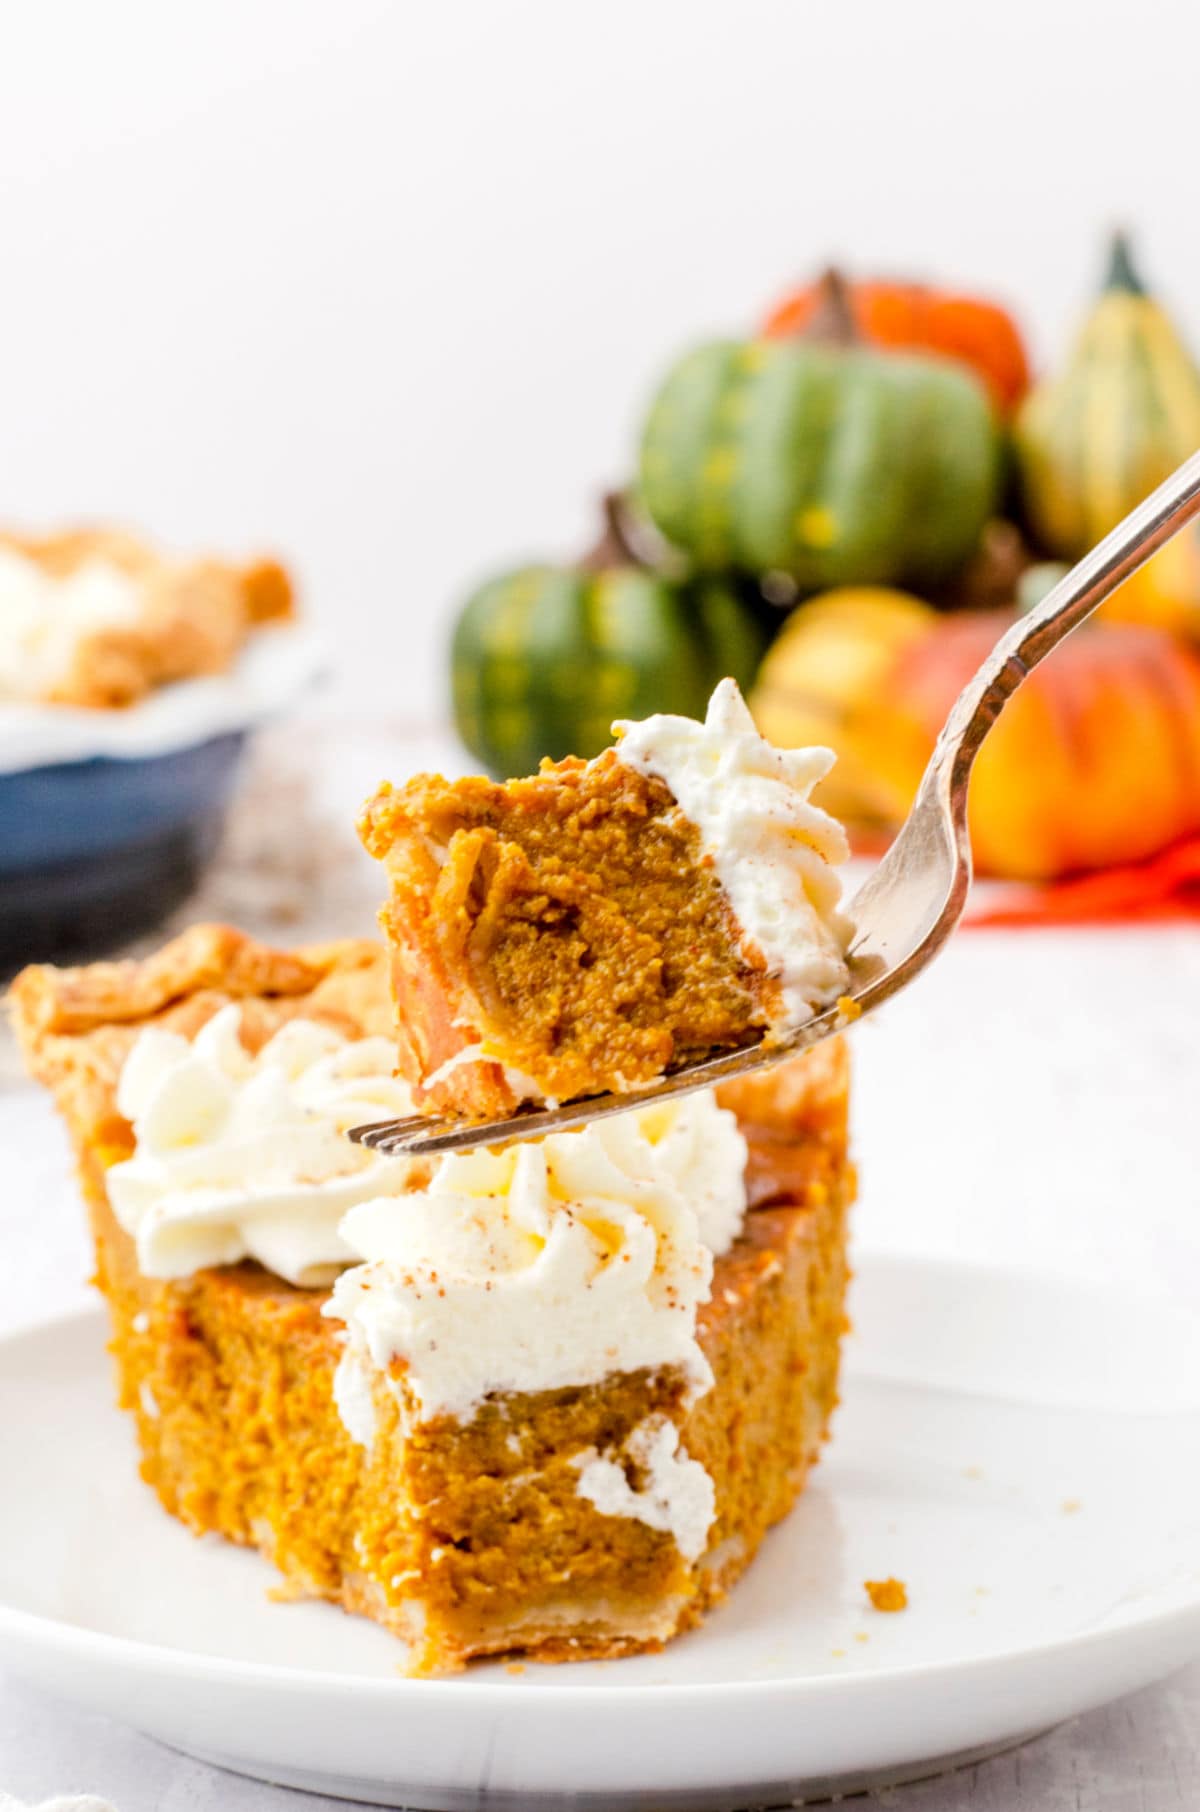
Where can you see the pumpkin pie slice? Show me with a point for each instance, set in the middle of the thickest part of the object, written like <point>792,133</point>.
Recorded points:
<point>546,1400</point>
<point>599,923</point>
<point>95,618</point>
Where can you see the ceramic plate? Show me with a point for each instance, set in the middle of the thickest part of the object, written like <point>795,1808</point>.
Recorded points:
<point>1023,1453</point>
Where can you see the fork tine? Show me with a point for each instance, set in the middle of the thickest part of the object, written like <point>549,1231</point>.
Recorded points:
<point>427,1135</point>
<point>384,1135</point>
<point>391,1145</point>
<point>462,1135</point>
<point>360,1133</point>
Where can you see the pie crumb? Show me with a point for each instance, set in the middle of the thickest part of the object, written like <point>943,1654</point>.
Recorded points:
<point>287,1591</point>
<point>887,1594</point>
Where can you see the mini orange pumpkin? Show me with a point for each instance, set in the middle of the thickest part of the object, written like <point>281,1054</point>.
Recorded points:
<point>919,318</point>
<point>1096,759</point>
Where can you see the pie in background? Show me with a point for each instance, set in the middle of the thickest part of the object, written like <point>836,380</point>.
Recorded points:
<point>96,618</point>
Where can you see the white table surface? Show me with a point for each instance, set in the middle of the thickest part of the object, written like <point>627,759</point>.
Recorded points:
<point>1034,1101</point>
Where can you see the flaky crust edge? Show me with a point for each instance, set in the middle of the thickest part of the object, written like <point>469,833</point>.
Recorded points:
<point>74,1026</point>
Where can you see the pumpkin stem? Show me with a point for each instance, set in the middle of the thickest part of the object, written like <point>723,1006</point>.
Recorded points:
<point>832,322</point>
<point>614,548</point>
<point>1121,272</point>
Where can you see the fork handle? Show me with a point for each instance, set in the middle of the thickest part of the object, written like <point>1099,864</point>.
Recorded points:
<point>1077,594</point>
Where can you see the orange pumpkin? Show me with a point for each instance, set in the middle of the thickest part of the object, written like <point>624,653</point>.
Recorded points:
<point>976,333</point>
<point>1095,760</point>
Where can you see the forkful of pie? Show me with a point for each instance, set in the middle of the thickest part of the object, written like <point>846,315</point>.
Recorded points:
<point>607,934</point>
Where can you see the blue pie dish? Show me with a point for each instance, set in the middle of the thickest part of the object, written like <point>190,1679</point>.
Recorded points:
<point>107,818</point>
<point>94,851</point>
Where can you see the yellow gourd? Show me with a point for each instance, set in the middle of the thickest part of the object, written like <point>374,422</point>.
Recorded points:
<point>821,682</point>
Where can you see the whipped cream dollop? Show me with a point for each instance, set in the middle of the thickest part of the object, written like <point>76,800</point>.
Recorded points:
<point>45,616</point>
<point>551,1263</point>
<point>242,1156</point>
<point>772,849</point>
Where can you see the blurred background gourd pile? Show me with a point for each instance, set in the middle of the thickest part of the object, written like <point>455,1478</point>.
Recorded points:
<point>843,509</point>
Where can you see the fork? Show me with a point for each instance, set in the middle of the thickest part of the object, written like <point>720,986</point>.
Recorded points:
<point>907,908</point>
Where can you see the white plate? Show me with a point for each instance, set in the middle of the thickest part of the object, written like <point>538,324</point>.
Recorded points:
<point>1024,1454</point>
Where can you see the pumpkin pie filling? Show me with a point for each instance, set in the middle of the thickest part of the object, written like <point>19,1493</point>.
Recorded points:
<point>601,922</point>
<point>652,1368</point>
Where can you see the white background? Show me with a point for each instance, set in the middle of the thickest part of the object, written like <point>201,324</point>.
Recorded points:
<point>385,286</point>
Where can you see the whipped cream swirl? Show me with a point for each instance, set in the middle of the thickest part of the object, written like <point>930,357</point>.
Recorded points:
<point>44,617</point>
<point>242,1156</point>
<point>550,1263</point>
<point>772,849</point>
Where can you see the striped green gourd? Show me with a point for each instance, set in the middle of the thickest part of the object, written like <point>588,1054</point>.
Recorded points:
<point>821,458</point>
<point>544,658</point>
<point>1124,411</point>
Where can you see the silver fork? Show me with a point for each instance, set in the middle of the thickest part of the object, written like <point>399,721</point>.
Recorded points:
<point>906,910</point>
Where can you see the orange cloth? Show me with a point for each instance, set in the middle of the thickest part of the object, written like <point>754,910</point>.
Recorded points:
<point>1165,887</point>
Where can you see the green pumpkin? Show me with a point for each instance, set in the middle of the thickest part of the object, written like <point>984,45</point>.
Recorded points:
<point>834,464</point>
<point>544,658</point>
